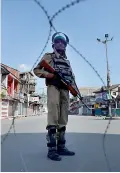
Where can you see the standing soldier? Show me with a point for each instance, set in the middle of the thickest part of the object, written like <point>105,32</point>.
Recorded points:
<point>57,96</point>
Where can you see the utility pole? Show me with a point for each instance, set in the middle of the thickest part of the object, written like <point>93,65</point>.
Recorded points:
<point>27,92</point>
<point>108,69</point>
<point>28,95</point>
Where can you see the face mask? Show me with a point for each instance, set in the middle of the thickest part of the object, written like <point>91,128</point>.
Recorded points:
<point>60,45</point>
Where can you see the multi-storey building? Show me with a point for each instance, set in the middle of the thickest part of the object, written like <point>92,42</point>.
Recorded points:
<point>31,100</point>
<point>10,87</point>
<point>17,93</point>
<point>115,93</point>
<point>87,91</point>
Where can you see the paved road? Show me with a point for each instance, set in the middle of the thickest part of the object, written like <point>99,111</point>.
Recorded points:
<point>27,150</point>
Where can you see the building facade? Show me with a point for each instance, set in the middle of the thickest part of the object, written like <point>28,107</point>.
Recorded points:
<point>89,99</point>
<point>30,101</point>
<point>87,91</point>
<point>17,93</point>
<point>10,85</point>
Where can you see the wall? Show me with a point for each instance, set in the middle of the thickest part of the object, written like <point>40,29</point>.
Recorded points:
<point>4,85</point>
<point>4,80</point>
<point>87,90</point>
<point>10,85</point>
<point>114,111</point>
<point>4,108</point>
<point>23,110</point>
<point>16,85</point>
<point>10,108</point>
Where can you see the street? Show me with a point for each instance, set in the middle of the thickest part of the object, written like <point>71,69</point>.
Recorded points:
<point>26,151</point>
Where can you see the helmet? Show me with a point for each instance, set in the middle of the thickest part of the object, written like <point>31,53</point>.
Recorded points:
<point>58,36</point>
<point>59,42</point>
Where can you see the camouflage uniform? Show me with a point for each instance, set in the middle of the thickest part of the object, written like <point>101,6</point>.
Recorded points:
<point>58,105</point>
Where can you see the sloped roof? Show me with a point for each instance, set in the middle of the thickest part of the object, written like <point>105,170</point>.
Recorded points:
<point>9,67</point>
<point>4,70</point>
<point>114,86</point>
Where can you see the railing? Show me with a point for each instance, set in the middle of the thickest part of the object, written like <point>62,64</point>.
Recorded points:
<point>16,95</point>
<point>12,93</point>
<point>9,90</point>
<point>32,88</point>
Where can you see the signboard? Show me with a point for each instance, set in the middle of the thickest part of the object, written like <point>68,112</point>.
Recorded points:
<point>34,99</point>
<point>104,96</point>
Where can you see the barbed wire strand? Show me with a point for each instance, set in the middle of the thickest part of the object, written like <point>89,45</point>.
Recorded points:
<point>50,21</point>
<point>47,41</point>
<point>84,58</point>
<point>49,35</point>
<point>12,126</point>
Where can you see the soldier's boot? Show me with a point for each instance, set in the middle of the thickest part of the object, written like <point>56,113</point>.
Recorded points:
<point>51,144</point>
<point>61,149</point>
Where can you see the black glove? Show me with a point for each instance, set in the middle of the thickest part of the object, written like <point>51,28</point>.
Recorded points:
<point>58,76</point>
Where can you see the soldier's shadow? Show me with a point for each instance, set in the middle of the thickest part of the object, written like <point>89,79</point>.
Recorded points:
<point>27,152</point>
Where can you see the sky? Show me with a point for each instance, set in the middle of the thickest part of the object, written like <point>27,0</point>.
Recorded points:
<point>25,29</point>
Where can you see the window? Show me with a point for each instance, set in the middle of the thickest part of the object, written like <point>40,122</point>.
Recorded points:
<point>114,93</point>
<point>118,89</point>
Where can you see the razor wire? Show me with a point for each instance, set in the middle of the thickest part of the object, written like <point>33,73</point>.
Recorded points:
<point>50,20</point>
<point>12,126</point>
<point>83,57</point>
<point>46,43</point>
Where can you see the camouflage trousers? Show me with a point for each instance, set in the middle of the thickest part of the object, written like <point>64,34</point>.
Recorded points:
<point>58,105</point>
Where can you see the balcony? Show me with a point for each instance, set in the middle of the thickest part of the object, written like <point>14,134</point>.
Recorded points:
<point>23,80</point>
<point>12,93</point>
<point>31,88</point>
<point>9,90</point>
<point>16,95</point>
<point>32,81</point>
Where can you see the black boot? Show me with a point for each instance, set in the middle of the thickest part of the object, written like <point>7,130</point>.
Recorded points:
<point>51,138</point>
<point>61,149</point>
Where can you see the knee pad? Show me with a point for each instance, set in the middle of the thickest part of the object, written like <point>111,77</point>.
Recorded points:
<point>61,135</point>
<point>62,129</point>
<point>51,129</point>
<point>51,136</point>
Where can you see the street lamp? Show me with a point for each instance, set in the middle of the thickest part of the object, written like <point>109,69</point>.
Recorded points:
<point>108,70</point>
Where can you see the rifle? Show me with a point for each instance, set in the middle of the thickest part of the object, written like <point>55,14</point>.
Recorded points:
<point>72,90</point>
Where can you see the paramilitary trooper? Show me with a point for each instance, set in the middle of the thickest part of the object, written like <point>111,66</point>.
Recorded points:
<point>57,96</point>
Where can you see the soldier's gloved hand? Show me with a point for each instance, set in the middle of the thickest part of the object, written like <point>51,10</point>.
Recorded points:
<point>50,76</point>
<point>57,76</point>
